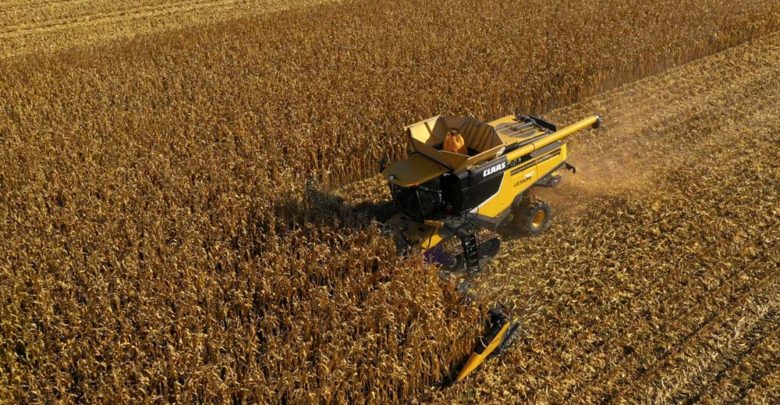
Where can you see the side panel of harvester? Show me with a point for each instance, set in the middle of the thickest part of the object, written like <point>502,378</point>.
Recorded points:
<point>519,175</point>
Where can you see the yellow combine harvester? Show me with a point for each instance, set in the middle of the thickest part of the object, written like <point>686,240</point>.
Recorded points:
<point>447,196</point>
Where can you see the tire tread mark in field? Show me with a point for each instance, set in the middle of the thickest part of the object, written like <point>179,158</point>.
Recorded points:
<point>756,362</point>
<point>600,375</point>
<point>32,4</point>
<point>26,8</point>
<point>115,16</point>
<point>30,16</point>
<point>770,381</point>
<point>764,325</point>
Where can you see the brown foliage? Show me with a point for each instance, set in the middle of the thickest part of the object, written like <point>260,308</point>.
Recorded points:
<point>155,240</point>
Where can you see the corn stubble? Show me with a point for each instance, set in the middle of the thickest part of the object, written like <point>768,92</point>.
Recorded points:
<point>157,240</point>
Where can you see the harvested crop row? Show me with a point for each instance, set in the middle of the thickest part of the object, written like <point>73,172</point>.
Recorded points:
<point>764,390</point>
<point>749,370</point>
<point>695,365</point>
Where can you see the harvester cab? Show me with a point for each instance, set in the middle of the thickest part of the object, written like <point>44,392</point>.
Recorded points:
<point>444,197</point>
<point>441,195</point>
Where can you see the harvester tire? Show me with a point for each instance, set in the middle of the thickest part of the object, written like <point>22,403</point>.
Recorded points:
<point>533,216</point>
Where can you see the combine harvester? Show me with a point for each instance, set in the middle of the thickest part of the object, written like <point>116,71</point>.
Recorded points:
<point>446,197</point>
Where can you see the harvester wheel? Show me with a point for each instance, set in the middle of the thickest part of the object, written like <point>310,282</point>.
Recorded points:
<point>532,216</point>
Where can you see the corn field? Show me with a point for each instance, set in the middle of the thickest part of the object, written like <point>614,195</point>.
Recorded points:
<point>169,230</point>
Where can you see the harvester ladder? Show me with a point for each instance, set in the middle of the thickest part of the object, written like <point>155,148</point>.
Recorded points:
<point>470,252</point>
